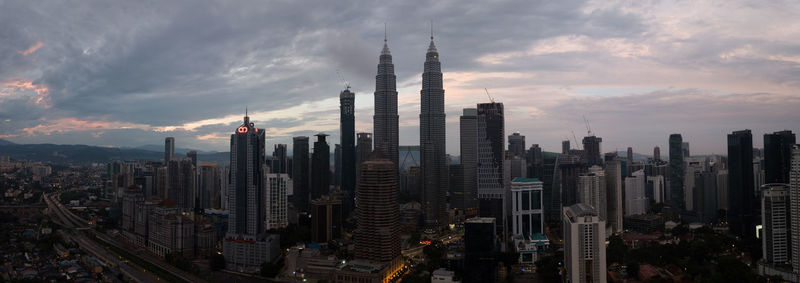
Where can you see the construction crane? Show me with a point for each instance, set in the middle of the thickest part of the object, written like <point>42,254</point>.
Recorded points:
<point>588,128</point>
<point>487,94</point>
<point>346,84</point>
<point>574,138</point>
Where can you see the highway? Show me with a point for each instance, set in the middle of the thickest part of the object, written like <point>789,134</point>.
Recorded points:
<point>77,224</point>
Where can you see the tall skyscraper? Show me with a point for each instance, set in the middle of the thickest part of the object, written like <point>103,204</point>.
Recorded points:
<point>591,150</point>
<point>584,244</point>
<point>280,160</point>
<point>657,154</point>
<point>432,143</point>
<point>613,172</point>
<point>169,149</point>
<point>347,131</point>
<point>565,147</point>
<point>685,149</point>
<point>592,190</point>
<point>300,174</point>
<point>741,204</point>
<point>794,202</point>
<point>491,155</point>
<point>277,185</point>
<point>377,236</point>
<point>385,120</point>
<point>209,188</point>
<point>363,149</point>
<point>777,156</point>
<point>516,145</point>
<point>337,165</point>
<point>635,200</point>
<point>246,244</point>
<point>775,222</point>
<point>630,154</point>
<point>320,167</point>
<point>676,170</point>
<point>180,182</point>
<point>468,128</point>
<point>535,162</point>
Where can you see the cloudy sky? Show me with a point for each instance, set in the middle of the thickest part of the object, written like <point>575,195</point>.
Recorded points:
<point>129,73</point>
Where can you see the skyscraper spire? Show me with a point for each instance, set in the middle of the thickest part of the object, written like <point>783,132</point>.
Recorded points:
<point>432,142</point>
<point>385,120</point>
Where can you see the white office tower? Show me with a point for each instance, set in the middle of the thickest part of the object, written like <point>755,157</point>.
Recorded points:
<point>584,244</point>
<point>775,221</point>
<point>277,187</point>
<point>658,186</point>
<point>635,200</point>
<point>528,219</point>
<point>592,190</point>
<point>692,166</point>
<point>794,188</point>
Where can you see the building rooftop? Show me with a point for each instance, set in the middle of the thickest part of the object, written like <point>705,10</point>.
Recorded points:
<point>580,209</point>
<point>525,180</point>
<point>481,220</point>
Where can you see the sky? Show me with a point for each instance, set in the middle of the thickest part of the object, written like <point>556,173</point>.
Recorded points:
<point>130,73</point>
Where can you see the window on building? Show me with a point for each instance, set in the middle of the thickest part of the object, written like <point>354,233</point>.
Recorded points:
<point>526,200</point>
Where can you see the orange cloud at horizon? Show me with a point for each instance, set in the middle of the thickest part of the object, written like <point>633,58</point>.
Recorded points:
<point>71,124</point>
<point>12,86</point>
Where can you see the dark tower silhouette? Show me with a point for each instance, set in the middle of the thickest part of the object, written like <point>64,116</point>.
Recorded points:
<point>741,195</point>
<point>320,167</point>
<point>300,174</point>
<point>778,156</point>
<point>385,120</point>
<point>432,143</point>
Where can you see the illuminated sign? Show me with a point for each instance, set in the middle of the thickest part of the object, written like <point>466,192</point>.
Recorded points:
<point>242,130</point>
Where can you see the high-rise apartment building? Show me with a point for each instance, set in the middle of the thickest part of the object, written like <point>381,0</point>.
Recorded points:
<point>635,200</point>
<point>385,120</point>
<point>741,205</point>
<point>614,203</point>
<point>592,190</point>
<point>277,187</point>
<point>209,187</point>
<point>794,210</point>
<point>432,138</point>
<point>657,154</point>
<point>584,244</point>
<point>775,208</point>
<point>246,245</point>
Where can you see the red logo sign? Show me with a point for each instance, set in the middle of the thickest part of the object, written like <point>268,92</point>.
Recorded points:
<point>242,130</point>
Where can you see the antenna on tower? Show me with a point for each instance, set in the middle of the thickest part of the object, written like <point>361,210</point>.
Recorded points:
<point>431,29</point>
<point>385,33</point>
<point>487,94</point>
<point>346,84</point>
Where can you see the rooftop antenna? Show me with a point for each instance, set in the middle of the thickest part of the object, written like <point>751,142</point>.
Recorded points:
<point>431,29</point>
<point>346,84</point>
<point>385,36</point>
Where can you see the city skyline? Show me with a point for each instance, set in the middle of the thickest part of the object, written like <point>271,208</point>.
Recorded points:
<point>712,63</point>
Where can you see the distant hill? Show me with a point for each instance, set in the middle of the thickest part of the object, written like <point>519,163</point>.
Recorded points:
<point>160,148</point>
<point>84,154</point>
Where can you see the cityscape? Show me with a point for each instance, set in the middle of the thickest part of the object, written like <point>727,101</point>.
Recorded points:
<point>201,143</point>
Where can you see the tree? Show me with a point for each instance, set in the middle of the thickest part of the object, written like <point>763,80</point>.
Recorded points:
<point>216,262</point>
<point>616,249</point>
<point>271,269</point>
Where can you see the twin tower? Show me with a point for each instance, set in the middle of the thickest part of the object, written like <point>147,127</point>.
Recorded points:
<point>433,163</point>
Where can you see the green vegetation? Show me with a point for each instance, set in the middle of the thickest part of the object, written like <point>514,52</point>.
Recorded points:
<point>216,262</point>
<point>271,269</point>
<point>177,260</point>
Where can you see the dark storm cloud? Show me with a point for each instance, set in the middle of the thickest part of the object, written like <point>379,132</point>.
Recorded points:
<point>151,66</point>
